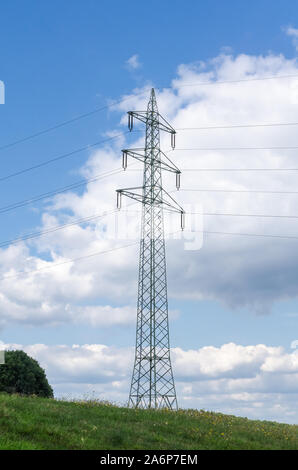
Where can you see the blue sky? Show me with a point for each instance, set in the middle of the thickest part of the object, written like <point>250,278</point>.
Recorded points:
<point>62,59</point>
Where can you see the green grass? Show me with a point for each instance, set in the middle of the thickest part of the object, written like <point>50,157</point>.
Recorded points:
<point>39,423</point>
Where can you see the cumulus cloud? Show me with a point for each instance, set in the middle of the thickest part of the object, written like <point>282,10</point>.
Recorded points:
<point>293,33</point>
<point>239,271</point>
<point>256,381</point>
<point>133,62</point>
<point>229,361</point>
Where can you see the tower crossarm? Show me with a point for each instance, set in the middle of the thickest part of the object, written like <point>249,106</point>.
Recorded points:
<point>152,119</point>
<point>140,154</point>
<point>142,197</point>
<point>172,203</point>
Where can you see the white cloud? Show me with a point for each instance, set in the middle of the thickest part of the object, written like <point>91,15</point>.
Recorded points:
<point>230,361</point>
<point>133,62</point>
<point>238,271</point>
<point>293,33</point>
<point>105,315</point>
<point>256,381</point>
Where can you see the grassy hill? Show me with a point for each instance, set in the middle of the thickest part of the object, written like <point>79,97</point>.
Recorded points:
<point>39,423</point>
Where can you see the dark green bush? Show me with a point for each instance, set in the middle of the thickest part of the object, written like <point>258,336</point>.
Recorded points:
<point>22,374</point>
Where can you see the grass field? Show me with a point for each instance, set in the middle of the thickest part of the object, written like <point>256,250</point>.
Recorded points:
<point>39,423</point>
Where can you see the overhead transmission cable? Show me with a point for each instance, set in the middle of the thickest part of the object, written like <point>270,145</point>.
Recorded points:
<point>230,169</point>
<point>97,253</point>
<point>239,169</point>
<point>65,123</point>
<point>239,191</point>
<point>122,100</point>
<point>61,190</point>
<point>56,228</point>
<point>94,217</point>
<point>237,148</point>
<point>228,214</point>
<point>60,157</point>
<point>240,80</point>
<point>237,126</point>
<point>20,273</point>
<point>262,235</point>
<point>40,233</point>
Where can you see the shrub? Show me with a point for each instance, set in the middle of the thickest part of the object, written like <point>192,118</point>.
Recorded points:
<point>22,374</point>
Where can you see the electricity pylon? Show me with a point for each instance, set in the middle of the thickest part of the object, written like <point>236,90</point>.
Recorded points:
<point>152,384</point>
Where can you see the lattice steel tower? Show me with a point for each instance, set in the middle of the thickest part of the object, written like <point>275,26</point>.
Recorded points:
<point>152,383</point>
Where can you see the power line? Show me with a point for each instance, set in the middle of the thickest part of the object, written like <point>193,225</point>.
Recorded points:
<point>241,191</point>
<point>235,215</point>
<point>243,215</point>
<point>60,157</point>
<point>61,190</point>
<point>237,148</point>
<point>237,126</point>
<point>231,169</point>
<point>72,260</point>
<point>272,77</point>
<point>56,228</point>
<point>239,169</point>
<point>67,261</point>
<point>104,214</point>
<point>20,273</point>
<point>64,123</point>
<point>290,237</point>
<point>122,100</point>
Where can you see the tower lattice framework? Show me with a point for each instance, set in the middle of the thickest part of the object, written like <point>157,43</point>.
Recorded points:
<point>152,384</point>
